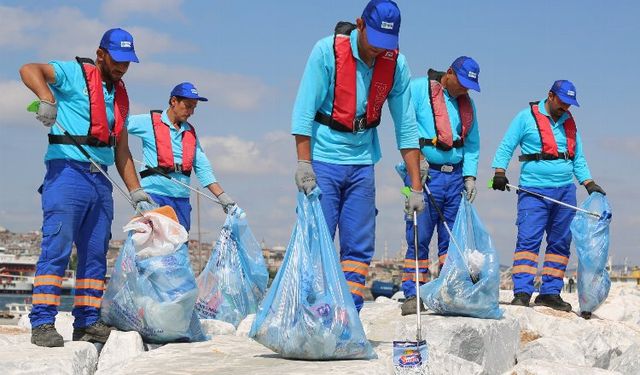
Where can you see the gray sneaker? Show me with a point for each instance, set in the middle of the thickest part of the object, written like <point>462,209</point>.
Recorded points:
<point>410,306</point>
<point>47,336</point>
<point>96,332</point>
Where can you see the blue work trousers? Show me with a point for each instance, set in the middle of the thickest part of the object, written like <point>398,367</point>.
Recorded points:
<point>77,209</point>
<point>446,188</point>
<point>349,204</point>
<point>537,216</point>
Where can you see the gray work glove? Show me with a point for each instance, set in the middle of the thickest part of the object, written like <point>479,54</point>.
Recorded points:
<point>226,201</point>
<point>424,171</point>
<point>305,176</point>
<point>470,188</point>
<point>47,113</point>
<point>141,201</point>
<point>414,202</point>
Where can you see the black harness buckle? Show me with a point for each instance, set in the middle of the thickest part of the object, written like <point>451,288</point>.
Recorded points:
<point>359,124</point>
<point>177,168</point>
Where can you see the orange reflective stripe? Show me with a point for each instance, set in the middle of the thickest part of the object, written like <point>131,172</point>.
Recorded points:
<point>442,258</point>
<point>552,272</point>
<point>519,255</point>
<point>556,259</point>
<point>48,280</point>
<point>524,269</point>
<point>90,284</point>
<point>356,288</point>
<point>422,276</point>
<point>87,301</point>
<point>355,266</point>
<point>409,263</point>
<point>45,299</point>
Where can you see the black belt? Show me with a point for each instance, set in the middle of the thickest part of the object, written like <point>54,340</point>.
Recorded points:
<point>359,123</point>
<point>80,139</point>
<point>163,171</point>
<point>543,156</point>
<point>446,168</point>
<point>424,142</point>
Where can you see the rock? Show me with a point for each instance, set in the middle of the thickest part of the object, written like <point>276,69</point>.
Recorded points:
<point>627,363</point>
<point>492,344</point>
<point>542,367</point>
<point>245,325</point>
<point>19,356</point>
<point>212,327</point>
<point>119,348</point>
<point>441,363</point>
<point>553,349</point>
<point>64,324</point>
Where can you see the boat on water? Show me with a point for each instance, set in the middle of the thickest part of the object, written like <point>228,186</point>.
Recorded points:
<point>17,275</point>
<point>13,312</point>
<point>383,288</point>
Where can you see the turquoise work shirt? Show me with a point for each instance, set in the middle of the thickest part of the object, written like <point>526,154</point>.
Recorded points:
<point>141,126</point>
<point>70,91</point>
<point>316,93</point>
<point>469,153</point>
<point>523,132</point>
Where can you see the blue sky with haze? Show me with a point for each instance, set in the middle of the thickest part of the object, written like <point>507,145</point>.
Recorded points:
<point>247,58</point>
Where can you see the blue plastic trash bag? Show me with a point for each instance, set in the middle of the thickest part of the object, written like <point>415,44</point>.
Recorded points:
<point>308,312</point>
<point>235,278</point>
<point>469,282</point>
<point>152,289</point>
<point>591,236</point>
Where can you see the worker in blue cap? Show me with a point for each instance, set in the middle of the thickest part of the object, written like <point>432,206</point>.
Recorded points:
<point>551,156</point>
<point>89,99</point>
<point>450,145</point>
<point>170,147</point>
<point>348,78</point>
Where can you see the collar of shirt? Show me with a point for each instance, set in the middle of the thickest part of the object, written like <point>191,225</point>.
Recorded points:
<point>354,45</point>
<point>543,110</point>
<point>184,126</point>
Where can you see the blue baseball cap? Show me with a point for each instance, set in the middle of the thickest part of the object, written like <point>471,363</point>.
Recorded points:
<point>467,70</point>
<point>187,90</point>
<point>382,18</point>
<point>119,44</point>
<point>566,91</point>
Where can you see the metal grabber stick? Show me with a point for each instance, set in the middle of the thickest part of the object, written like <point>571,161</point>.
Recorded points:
<point>418,301</point>
<point>595,214</point>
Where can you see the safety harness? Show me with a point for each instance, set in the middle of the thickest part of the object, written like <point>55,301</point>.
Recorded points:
<point>162,135</point>
<point>343,115</point>
<point>549,145</point>
<point>442,124</point>
<point>98,134</point>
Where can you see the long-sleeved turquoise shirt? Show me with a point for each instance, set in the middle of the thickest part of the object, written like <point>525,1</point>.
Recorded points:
<point>469,153</point>
<point>316,93</point>
<point>70,91</point>
<point>141,126</point>
<point>523,132</point>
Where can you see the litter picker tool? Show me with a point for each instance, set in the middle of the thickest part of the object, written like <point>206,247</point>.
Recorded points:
<point>410,357</point>
<point>166,175</point>
<point>594,214</point>
<point>35,105</point>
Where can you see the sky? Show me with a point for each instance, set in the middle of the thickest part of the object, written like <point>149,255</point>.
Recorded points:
<point>247,57</point>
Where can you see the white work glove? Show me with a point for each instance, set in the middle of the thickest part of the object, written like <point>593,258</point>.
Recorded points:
<point>414,202</point>
<point>424,171</point>
<point>470,188</point>
<point>141,200</point>
<point>305,176</point>
<point>47,113</point>
<point>226,201</point>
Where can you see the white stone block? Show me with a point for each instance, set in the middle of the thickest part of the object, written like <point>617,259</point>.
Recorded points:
<point>628,362</point>
<point>245,325</point>
<point>213,327</point>
<point>542,367</point>
<point>553,349</point>
<point>119,348</point>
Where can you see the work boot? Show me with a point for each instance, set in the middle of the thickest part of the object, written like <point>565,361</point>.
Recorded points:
<point>47,336</point>
<point>410,306</point>
<point>96,332</point>
<point>552,300</point>
<point>521,299</point>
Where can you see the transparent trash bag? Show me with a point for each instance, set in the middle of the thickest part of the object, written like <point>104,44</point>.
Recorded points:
<point>470,279</point>
<point>591,236</point>
<point>308,312</point>
<point>152,289</point>
<point>235,278</point>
